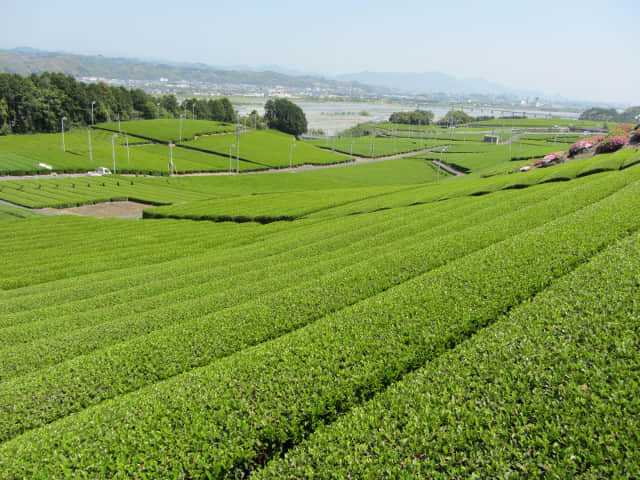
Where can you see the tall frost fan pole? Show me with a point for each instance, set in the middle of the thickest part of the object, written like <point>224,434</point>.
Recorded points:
<point>170,158</point>
<point>238,129</point>
<point>373,134</point>
<point>62,130</point>
<point>113,152</point>
<point>90,151</point>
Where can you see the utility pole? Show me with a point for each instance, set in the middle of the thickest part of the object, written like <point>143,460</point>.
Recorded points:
<point>373,134</point>
<point>230,149</point>
<point>181,116</point>
<point>170,158</point>
<point>293,145</point>
<point>90,152</point>
<point>238,131</point>
<point>113,152</point>
<point>440,163</point>
<point>126,137</point>
<point>62,129</point>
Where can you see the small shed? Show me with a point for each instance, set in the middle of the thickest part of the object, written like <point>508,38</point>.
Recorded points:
<point>491,139</point>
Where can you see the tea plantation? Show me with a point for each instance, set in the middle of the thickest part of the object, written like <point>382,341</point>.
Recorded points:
<point>391,327</point>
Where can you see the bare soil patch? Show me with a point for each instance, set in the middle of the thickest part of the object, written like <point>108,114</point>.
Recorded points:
<point>103,210</point>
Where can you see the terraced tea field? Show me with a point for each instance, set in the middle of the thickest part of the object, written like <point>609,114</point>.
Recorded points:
<point>68,192</point>
<point>22,154</point>
<point>382,146</point>
<point>11,213</point>
<point>266,149</point>
<point>167,129</point>
<point>390,329</point>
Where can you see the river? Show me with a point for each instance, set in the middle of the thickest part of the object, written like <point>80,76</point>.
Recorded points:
<point>333,117</point>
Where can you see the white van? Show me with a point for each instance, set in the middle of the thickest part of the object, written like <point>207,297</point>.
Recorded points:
<point>99,172</point>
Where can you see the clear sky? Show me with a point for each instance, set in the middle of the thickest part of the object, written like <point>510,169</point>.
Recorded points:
<point>584,50</point>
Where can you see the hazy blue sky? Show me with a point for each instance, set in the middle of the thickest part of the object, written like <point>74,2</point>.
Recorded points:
<point>581,50</point>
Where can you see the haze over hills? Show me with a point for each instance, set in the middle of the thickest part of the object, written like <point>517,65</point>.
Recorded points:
<point>25,61</point>
<point>416,82</point>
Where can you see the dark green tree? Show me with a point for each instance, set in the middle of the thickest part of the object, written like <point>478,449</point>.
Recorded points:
<point>5,128</point>
<point>630,115</point>
<point>283,115</point>
<point>215,111</point>
<point>229,112</point>
<point>149,110</point>
<point>597,114</point>
<point>139,98</point>
<point>254,120</point>
<point>36,103</point>
<point>417,117</point>
<point>455,117</point>
<point>170,104</point>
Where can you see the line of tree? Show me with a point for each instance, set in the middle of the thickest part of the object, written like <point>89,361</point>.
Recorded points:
<point>36,103</point>
<point>218,109</point>
<point>417,117</point>
<point>630,115</point>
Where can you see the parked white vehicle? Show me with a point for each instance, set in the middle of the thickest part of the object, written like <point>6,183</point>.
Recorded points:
<point>99,172</point>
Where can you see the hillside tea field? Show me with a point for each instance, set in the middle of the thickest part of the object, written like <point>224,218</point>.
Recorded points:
<point>389,329</point>
<point>23,154</point>
<point>150,154</point>
<point>168,129</point>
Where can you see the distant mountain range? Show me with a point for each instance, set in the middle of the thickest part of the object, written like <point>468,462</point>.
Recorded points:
<point>428,82</point>
<point>27,60</point>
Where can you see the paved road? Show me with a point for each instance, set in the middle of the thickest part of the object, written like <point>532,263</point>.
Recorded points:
<point>357,161</point>
<point>31,177</point>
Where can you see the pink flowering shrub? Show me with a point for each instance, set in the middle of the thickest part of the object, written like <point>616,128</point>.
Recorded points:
<point>580,146</point>
<point>552,158</point>
<point>617,137</point>
<point>612,144</point>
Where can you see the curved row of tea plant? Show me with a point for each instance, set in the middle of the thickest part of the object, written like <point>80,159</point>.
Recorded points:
<point>480,186</point>
<point>268,207</point>
<point>290,206</point>
<point>546,391</point>
<point>229,417</point>
<point>12,213</point>
<point>337,284</point>
<point>108,245</point>
<point>68,192</point>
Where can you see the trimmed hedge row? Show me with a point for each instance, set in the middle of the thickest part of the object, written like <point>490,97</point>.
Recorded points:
<point>237,413</point>
<point>546,392</point>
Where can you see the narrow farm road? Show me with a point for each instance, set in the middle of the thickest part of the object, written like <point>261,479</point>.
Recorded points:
<point>447,168</point>
<point>34,210</point>
<point>513,138</point>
